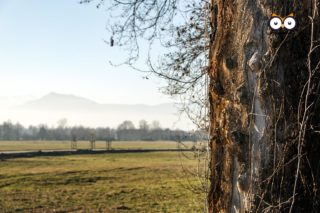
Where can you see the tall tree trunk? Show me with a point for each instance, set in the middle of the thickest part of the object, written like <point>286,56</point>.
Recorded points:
<point>256,79</point>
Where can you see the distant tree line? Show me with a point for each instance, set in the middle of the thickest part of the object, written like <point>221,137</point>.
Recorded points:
<point>125,131</point>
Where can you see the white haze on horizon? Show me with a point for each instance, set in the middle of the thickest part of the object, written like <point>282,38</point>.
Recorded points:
<point>11,110</point>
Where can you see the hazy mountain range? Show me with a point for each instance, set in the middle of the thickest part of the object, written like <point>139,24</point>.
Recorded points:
<point>82,111</point>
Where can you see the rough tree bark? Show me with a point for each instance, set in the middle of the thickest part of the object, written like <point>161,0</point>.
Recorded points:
<point>256,82</point>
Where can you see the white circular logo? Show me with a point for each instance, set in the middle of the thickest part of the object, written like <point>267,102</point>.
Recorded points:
<point>289,23</point>
<point>275,23</point>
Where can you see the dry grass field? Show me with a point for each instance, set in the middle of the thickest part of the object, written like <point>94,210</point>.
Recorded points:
<point>127,182</point>
<point>62,145</point>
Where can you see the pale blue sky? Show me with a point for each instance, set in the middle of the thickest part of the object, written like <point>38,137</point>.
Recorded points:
<point>57,46</point>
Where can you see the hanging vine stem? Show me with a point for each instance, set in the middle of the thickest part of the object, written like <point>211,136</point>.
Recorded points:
<point>304,105</point>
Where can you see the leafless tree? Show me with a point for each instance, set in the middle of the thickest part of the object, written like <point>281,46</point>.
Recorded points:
<point>263,91</point>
